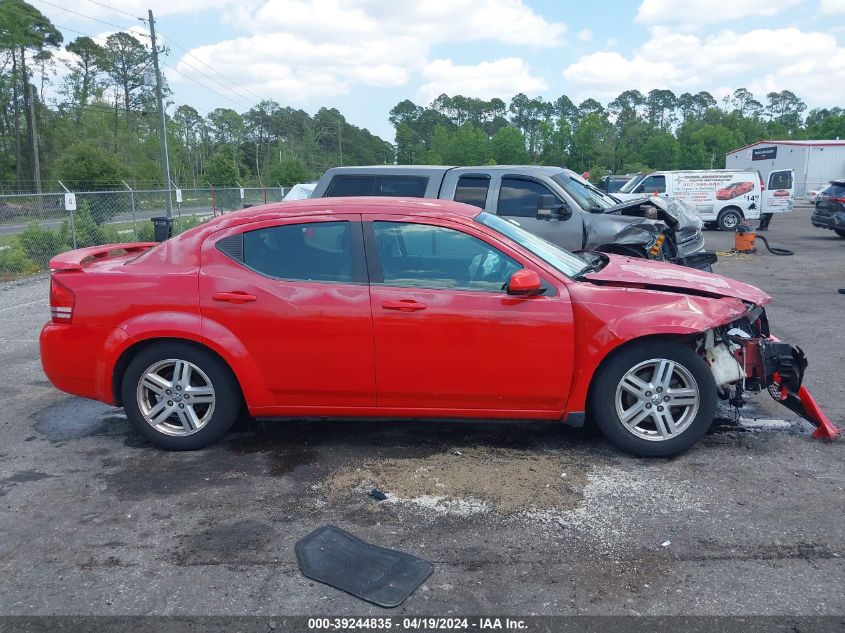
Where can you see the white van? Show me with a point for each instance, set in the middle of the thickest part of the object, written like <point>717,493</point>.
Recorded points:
<point>723,196</point>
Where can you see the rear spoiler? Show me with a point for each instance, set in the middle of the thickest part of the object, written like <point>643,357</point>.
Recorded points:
<point>74,260</point>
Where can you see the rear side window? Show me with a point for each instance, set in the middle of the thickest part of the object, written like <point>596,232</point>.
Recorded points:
<point>393,186</point>
<point>472,190</point>
<point>317,251</point>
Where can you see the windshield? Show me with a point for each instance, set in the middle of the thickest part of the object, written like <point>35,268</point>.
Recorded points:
<point>629,186</point>
<point>587,196</point>
<point>567,263</point>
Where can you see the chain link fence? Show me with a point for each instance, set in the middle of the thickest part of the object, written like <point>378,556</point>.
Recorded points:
<point>36,227</point>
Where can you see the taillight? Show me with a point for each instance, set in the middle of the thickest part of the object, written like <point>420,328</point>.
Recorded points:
<point>62,300</point>
<point>842,200</point>
<point>762,186</point>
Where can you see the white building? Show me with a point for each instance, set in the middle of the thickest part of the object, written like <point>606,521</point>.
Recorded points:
<point>814,162</point>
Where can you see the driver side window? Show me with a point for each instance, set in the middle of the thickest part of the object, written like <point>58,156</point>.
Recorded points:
<point>521,198</point>
<point>425,256</point>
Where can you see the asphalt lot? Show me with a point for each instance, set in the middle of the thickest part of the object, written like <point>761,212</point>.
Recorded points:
<point>517,518</point>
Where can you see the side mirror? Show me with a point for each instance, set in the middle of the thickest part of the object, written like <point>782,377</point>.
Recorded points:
<point>549,207</point>
<point>525,282</point>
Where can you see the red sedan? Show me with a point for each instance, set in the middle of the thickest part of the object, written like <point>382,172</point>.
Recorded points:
<point>385,307</point>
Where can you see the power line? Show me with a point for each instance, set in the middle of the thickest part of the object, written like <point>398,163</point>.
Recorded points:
<point>219,94</point>
<point>213,80</point>
<point>64,28</point>
<point>58,6</point>
<point>67,28</point>
<point>102,4</point>
<point>229,79</point>
<point>194,68</point>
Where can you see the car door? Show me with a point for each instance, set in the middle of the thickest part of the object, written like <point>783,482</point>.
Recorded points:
<point>448,338</point>
<point>519,200</point>
<point>779,195</point>
<point>294,294</point>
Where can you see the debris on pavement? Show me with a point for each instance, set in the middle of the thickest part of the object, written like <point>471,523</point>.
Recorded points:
<point>376,574</point>
<point>377,494</point>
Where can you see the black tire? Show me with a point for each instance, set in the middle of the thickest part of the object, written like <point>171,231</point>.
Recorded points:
<point>729,219</point>
<point>226,396</point>
<point>603,399</point>
<point>839,232</point>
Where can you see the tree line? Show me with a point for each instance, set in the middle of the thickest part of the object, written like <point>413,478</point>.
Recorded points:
<point>633,132</point>
<point>100,127</point>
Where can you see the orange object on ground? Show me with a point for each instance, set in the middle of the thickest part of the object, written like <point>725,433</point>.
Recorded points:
<point>744,241</point>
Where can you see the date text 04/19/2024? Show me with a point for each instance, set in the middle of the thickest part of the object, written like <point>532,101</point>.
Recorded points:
<point>417,624</point>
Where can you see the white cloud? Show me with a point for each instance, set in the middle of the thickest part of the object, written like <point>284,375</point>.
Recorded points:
<point>432,21</point>
<point>811,64</point>
<point>305,49</point>
<point>499,78</point>
<point>585,35</point>
<point>832,7</point>
<point>289,66</point>
<point>695,13</point>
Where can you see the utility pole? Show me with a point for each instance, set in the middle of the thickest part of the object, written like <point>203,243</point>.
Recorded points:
<point>340,142</point>
<point>162,121</point>
<point>36,165</point>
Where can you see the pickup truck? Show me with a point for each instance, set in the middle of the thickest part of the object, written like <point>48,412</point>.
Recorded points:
<point>552,202</point>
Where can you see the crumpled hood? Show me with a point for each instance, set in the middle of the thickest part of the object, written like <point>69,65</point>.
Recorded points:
<point>675,213</point>
<point>642,273</point>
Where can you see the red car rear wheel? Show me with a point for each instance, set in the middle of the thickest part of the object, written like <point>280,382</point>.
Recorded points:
<point>180,397</point>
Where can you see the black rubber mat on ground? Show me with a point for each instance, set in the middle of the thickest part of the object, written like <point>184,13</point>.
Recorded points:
<point>382,576</point>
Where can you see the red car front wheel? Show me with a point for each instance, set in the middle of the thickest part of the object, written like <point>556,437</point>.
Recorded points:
<point>654,398</point>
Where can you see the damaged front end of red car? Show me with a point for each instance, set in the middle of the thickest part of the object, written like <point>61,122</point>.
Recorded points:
<point>745,357</point>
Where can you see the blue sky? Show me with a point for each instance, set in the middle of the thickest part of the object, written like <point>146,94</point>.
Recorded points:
<point>364,56</point>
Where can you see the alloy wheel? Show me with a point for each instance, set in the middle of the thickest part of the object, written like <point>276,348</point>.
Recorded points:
<point>175,397</point>
<point>657,399</point>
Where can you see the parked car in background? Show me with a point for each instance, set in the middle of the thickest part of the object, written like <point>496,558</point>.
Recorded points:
<point>613,183</point>
<point>721,196</point>
<point>830,202</point>
<point>556,204</point>
<point>363,307</point>
<point>813,195</point>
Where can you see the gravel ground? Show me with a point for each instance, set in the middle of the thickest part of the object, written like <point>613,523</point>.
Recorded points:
<point>517,518</point>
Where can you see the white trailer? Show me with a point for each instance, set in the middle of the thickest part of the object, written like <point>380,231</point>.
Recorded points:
<point>815,163</point>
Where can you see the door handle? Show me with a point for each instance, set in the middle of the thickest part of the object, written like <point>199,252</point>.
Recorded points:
<point>404,305</point>
<point>233,297</point>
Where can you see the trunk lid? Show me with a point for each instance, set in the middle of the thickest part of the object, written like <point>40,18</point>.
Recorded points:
<point>81,258</point>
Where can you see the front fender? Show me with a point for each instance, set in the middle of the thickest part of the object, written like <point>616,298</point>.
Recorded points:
<point>193,327</point>
<point>611,317</point>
